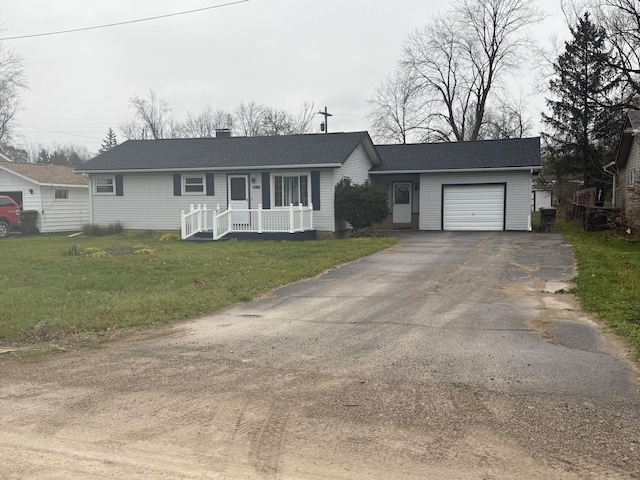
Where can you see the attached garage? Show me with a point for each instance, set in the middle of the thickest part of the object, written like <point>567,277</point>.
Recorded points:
<point>473,207</point>
<point>472,186</point>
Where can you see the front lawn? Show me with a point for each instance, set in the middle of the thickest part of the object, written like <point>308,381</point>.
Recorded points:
<point>52,286</point>
<point>608,281</point>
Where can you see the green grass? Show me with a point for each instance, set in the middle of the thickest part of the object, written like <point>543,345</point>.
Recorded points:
<point>54,287</point>
<point>608,281</point>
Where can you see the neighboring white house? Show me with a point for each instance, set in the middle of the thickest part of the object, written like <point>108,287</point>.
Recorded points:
<point>144,184</point>
<point>57,193</point>
<point>627,163</point>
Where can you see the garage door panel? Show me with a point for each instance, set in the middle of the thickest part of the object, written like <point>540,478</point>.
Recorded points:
<point>473,207</point>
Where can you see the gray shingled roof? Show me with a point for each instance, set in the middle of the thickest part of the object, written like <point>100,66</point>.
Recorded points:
<point>487,154</point>
<point>230,153</point>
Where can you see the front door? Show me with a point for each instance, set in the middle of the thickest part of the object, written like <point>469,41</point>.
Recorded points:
<point>238,191</point>
<point>402,202</point>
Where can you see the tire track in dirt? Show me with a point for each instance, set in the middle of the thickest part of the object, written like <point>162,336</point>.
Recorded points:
<point>267,444</point>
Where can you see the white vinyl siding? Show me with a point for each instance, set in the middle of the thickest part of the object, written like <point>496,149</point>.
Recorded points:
<point>518,202</point>
<point>627,195</point>
<point>148,202</point>
<point>63,214</point>
<point>324,219</point>
<point>473,207</point>
<point>356,167</point>
<point>255,189</point>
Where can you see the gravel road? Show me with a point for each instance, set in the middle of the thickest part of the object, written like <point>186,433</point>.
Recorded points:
<point>449,356</point>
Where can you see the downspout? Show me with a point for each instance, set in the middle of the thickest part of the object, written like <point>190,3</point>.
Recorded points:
<point>614,176</point>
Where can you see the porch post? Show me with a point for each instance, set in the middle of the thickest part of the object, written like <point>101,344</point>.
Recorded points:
<point>291,218</point>
<point>301,217</point>
<point>310,216</point>
<point>259,218</point>
<point>204,208</point>
<point>183,225</point>
<point>214,225</point>
<point>199,216</point>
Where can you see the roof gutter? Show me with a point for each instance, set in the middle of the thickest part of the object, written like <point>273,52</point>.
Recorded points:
<point>459,170</point>
<point>210,169</point>
<point>614,176</point>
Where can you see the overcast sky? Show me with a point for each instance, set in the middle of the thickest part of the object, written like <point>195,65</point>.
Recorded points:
<point>280,53</point>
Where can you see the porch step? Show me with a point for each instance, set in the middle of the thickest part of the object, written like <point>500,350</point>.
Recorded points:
<point>273,236</point>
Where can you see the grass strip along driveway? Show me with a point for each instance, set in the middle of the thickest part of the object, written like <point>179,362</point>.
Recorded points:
<point>608,281</point>
<point>52,286</point>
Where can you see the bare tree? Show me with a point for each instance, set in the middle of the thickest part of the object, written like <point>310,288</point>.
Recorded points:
<point>254,119</point>
<point>621,20</point>
<point>508,119</point>
<point>12,82</point>
<point>302,121</point>
<point>206,123</point>
<point>249,119</point>
<point>462,55</point>
<point>280,122</point>
<point>398,113</point>
<point>276,122</point>
<point>151,118</point>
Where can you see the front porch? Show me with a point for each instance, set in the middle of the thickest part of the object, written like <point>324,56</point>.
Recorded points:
<point>291,223</point>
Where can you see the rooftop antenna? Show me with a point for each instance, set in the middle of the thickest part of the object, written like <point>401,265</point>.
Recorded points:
<point>324,126</point>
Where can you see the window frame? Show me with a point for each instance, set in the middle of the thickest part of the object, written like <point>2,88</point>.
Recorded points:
<point>96,186</point>
<point>184,184</point>
<point>631,178</point>
<point>274,189</point>
<point>63,196</point>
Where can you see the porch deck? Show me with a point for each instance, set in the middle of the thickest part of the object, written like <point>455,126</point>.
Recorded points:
<point>281,223</point>
<point>207,236</point>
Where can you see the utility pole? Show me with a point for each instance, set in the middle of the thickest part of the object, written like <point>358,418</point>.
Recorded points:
<point>324,127</point>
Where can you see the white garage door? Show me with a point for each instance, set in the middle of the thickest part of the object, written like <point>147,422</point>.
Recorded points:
<point>473,207</point>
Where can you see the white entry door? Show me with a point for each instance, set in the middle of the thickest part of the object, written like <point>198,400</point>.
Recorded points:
<point>238,191</point>
<point>402,202</point>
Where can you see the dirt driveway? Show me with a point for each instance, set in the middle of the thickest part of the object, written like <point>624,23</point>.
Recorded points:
<point>446,357</point>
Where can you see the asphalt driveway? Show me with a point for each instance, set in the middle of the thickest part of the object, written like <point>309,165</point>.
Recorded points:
<point>447,356</point>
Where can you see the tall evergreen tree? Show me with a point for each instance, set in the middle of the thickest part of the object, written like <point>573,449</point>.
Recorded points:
<point>109,142</point>
<point>582,126</point>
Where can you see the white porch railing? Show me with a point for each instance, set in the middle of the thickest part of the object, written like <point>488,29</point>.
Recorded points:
<point>289,219</point>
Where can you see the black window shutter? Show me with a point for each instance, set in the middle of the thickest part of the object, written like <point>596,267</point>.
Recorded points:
<point>177,184</point>
<point>119,185</point>
<point>209,180</point>
<point>315,190</point>
<point>266,190</point>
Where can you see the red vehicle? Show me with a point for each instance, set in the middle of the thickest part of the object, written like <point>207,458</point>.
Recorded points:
<point>9,215</point>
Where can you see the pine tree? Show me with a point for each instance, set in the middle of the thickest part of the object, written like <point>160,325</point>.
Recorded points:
<point>582,127</point>
<point>109,142</point>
